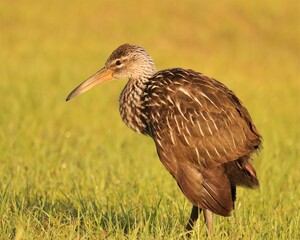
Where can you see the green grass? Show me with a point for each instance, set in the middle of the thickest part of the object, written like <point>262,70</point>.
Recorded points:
<point>74,171</point>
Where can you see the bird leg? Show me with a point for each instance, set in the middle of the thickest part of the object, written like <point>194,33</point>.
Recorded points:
<point>208,216</point>
<point>193,218</point>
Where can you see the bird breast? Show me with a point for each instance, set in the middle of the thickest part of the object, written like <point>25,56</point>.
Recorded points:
<point>132,106</point>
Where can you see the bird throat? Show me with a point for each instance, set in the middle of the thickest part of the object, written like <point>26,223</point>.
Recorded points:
<point>132,105</point>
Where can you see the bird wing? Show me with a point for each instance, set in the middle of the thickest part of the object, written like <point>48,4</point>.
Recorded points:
<point>197,123</point>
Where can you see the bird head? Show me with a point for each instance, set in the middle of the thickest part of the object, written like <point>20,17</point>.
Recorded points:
<point>126,62</point>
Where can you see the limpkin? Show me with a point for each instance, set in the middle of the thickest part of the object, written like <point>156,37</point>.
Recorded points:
<point>203,134</point>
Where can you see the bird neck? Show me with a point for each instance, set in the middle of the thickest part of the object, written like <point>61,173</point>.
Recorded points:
<point>132,104</point>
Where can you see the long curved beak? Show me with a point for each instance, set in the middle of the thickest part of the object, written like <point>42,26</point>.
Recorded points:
<point>101,76</point>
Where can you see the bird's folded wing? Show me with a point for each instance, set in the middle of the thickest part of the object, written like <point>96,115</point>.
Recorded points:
<point>198,124</point>
<point>200,119</point>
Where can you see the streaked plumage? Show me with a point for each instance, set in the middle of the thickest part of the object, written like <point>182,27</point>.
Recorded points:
<point>203,134</point>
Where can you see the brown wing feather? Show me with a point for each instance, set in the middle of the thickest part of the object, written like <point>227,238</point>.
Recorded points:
<point>198,124</point>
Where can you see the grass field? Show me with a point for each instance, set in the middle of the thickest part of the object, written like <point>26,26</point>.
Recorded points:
<point>75,171</point>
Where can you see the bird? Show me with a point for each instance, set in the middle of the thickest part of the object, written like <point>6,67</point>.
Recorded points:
<point>204,136</point>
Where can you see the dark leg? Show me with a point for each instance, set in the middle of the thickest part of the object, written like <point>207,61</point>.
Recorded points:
<point>208,216</point>
<point>193,218</point>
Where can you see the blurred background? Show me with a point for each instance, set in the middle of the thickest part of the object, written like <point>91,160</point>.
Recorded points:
<point>49,148</point>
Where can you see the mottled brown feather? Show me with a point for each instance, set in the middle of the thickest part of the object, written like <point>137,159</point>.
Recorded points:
<point>198,125</point>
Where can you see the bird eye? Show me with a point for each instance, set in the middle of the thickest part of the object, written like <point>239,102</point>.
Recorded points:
<point>118,62</point>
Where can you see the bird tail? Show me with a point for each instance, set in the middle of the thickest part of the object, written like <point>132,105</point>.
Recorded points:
<point>241,173</point>
<point>215,188</point>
